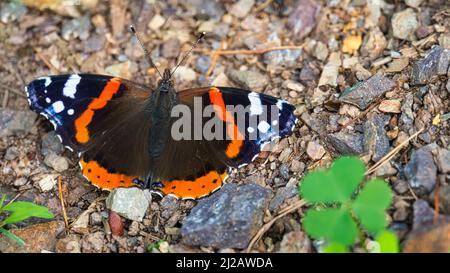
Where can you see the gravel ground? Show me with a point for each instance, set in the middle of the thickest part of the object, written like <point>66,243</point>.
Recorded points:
<point>363,75</point>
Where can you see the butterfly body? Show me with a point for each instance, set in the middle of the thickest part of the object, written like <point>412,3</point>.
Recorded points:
<point>123,131</point>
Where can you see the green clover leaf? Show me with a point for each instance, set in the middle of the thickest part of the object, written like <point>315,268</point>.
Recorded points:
<point>371,203</point>
<point>388,242</point>
<point>323,224</point>
<point>335,247</point>
<point>334,185</point>
<point>23,210</point>
<point>340,222</point>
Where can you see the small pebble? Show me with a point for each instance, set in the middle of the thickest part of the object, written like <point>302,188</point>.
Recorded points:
<point>58,163</point>
<point>12,153</point>
<point>314,150</point>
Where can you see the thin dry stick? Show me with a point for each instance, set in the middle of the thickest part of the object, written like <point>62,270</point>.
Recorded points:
<point>255,51</point>
<point>214,59</point>
<point>61,198</point>
<point>293,207</point>
<point>47,63</point>
<point>392,153</point>
<point>215,54</point>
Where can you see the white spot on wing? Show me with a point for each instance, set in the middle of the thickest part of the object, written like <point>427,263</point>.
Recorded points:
<point>58,106</point>
<point>250,130</point>
<point>47,80</point>
<point>255,104</point>
<point>48,100</point>
<point>70,88</point>
<point>70,112</point>
<point>263,126</point>
<point>280,104</point>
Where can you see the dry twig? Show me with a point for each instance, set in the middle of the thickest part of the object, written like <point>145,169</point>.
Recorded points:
<point>63,207</point>
<point>392,153</point>
<point>221,52</point>
<point>293,207</point>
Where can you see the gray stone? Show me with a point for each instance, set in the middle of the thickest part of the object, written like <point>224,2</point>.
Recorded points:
<point>285,57</point>
<point>407,116</point>
<point>330,71</point>
<point>131,203</point>
<point>364,93</point>
<point>297,166</point>
<point>203,63</point>
<point>385,170</point>
<point>11,153</point>
<point>77,28</point>
<point>18,123</point>
<point>169,205</point>
<point>250,80</point>
<point>413,3</point>
<point>347,143</point>
<point>241,8</point>
<point>436,62</point>
<point>424,215</point>
<point>302,20</point>
<point>284,171</point>
<point>282,195</point>
<point>20,182</point>
<point>443,160</point>
<point>421,171</point>
<point>48,182</point>
<point>93,243</point>
<point>376,141</point>
<point>95,218</point>
<point>314,150</point>
<point>51,144</point>
<point>56,162</point>
<point>206,9</point>
<point>12,11</point>
<point>95,43</point>
<point>404,24</point>
<point>374,44</point>
<point>228,218</point>
<point>401,186</point>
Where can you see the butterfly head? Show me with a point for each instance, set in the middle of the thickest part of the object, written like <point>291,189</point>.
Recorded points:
<point>166,83</point>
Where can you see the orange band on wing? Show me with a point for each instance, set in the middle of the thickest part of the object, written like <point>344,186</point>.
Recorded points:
<point>102,178</point>
<point>233,148</point>
<point>81,123</point>
<point>198,188</point>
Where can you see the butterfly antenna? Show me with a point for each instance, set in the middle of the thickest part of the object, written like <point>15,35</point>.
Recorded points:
<point>147,54</point>
<point>189,52</point>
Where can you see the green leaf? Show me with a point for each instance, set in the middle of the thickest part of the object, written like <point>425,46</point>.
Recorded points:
<point>332,224</point>
<point>2,201</point>
<point>335,247</point>
<point>388,242</point>
<point>12,236</point>
<point>335,185</point>
<point>348,170</point>
<point>22,210</point>
<point>371,204</point>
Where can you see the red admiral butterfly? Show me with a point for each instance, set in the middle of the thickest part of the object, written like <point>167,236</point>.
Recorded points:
<point>121,130</point>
